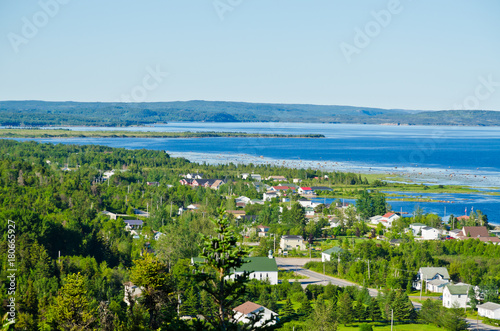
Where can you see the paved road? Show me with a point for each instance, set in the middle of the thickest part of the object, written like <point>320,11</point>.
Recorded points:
<point>297,265</point>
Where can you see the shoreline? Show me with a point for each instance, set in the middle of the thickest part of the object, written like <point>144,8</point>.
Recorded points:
<point>66,133</point>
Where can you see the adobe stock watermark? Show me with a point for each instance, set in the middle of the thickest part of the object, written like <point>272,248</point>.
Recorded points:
<point>222,7</point>
<point>11,284</point>
<point>372,29</point>
<point>483,91</point>
<point>151,81</point>
<point>31,26</point>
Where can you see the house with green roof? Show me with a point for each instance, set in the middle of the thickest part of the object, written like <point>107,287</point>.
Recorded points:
<point>456,295</point>
<point>331,252</point>
<point>260,268</point>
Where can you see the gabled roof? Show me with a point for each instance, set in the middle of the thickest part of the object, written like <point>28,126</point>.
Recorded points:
<point>387,215</point>
<point>292,237</point>
<point>248,307</point>
<point>458,289</point>
<point>134,222</point>
<point>259,264</point>
<point>438,282</point>
<point>428,228</point>
<point>430,272</point>
<point>333,250</point>
<point>306,188</point>
<point>418,224</point>
<point>475,231</point>
<point>489,306</point>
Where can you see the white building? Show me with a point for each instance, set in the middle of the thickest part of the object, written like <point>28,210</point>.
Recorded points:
<point>429,274</point>
<point>245,312</point>
<point>260,268</point>
<point>429,233</point>
<point>288,243</point>
<point>416,228</point>
<point>331,253</point>
<point>456,296</point>
<point>132,292</point>
<point>305,202</point>
<point>270,195</point>
<point>490,310</point>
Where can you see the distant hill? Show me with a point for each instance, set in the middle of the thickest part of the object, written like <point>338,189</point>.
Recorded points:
<point>42,113</point>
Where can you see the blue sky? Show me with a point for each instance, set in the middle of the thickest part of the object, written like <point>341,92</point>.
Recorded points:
<point>417,55</point>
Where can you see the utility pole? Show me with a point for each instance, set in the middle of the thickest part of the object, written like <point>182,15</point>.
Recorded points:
<point>392,318</point>
<point>170,209</point>
<point>368,269</point>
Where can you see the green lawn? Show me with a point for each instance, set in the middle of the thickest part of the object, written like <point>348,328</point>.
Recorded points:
<point>397,327</point>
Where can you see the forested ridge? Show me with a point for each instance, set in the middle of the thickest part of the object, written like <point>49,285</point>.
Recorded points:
<point>43,113</point>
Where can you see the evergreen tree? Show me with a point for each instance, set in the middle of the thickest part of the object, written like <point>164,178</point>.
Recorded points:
<point>191,302</point>
<point>305,307</point>
<point>345,311</point>
<point>72,309</point>
<point>454,319</point>
<point>222,256</point>
<point>287,309</point>
<point>374,310</point>
<point>323,318</point>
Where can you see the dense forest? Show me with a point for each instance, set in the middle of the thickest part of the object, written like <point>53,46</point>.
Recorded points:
<point>72,261</point>
<point>40,113</point>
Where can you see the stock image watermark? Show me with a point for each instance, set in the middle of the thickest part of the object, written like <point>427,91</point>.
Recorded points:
<point>482,92</point>
<point>371,30</point>
<point>31,26</point>
<point>151,81</point>
<point>11,273</point>
<point>223,7</point>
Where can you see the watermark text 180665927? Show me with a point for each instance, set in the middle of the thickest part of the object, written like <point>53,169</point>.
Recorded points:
<point>11,271</point>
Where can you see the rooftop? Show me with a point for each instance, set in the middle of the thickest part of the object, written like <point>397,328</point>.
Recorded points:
<point>333,250</point>
<point>489,306</point>
<point>430,272</point>
<point>258,264</point>
<point>248,307</point>
<point>458,289</point>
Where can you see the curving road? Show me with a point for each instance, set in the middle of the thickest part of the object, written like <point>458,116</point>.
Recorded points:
<point>297,265</point>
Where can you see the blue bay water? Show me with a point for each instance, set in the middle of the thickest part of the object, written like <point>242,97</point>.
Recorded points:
<point>435,155</point>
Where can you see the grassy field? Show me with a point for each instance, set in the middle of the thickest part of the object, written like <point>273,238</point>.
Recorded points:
<point>62,133</point>
<point>397,327</point>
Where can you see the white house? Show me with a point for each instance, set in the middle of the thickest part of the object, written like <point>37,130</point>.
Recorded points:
<point>456,296</point>
<point>245,312</point>
<point>262,230</point>
<point>108,174</point>
<point>305,202</point>
<point>429,274</point>
<point>256,177</point>
<point>270,195</point>
<point>455,233</point>
<point>437,285</point>
<point>388,218</point>
<point>288,243</point>
<point>245,175</point>
<point>331,252</point>
<point>429,233</point>
<point>132,291</point>
<point>305,190</point>
<point>490,310</point>
<point>376,219</point>
<point>416,228</point>
<point>260,268</point>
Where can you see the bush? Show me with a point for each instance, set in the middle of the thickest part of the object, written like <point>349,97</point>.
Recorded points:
<point>365,327</point>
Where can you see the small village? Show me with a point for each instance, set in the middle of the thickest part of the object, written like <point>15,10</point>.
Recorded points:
<point>323,245</point>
